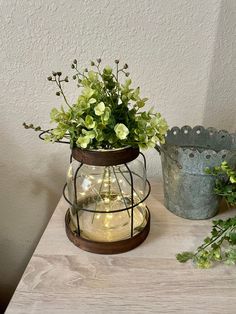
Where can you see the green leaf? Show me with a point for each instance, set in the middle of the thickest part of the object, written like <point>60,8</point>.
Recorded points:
<point>232,237</point>
<point>92,101</point>
<point>203,263</point>
<point>233,178</point>
<point>140,103</point>
<point>54,114</point>
<point>121,131</point>
<point>89,122</point>
<point>106,115</point>
<point>231,256</point>
<point>216,254</point>
<point>214,232</point>
<point>184,256</point>
<point>88,92</point>
<point>108,70</point>
<point>92,76</point>
<point>207,240</point>
<point>83,141</point>
<point>99,109</point>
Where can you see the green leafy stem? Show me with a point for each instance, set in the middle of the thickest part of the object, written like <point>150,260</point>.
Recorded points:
<point>220,246</point>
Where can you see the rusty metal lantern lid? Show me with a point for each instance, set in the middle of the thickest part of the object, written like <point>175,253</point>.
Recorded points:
<point>105,157</point>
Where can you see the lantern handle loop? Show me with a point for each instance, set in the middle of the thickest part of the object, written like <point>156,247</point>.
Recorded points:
<point>160,150</point>
<point>49,131</point>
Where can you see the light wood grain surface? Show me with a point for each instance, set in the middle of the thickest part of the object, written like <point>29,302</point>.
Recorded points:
<point>60,278</point>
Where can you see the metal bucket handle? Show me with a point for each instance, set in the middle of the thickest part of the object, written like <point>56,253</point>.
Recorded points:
<point>159,150</point>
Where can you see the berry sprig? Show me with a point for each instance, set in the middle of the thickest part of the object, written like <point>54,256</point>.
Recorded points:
<point>56,77</point>
<point>31,126</point>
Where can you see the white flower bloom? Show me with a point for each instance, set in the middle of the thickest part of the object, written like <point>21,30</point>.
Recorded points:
<point>121,131</point>
<point>99,109</point>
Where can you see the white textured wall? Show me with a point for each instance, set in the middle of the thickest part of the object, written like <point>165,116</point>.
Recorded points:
<point>173,48</point>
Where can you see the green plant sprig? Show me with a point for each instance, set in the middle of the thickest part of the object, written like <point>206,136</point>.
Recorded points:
<point>31,126</point>
<point>220,246</point>
<point>225,184</point>
<point>57,79</point>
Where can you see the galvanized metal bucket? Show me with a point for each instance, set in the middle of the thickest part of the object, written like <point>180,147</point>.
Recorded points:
<point>187,152</point>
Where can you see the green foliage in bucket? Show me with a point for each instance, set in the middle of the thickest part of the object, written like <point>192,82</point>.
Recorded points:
<point>107,112</point>
<point>225,185</point>
<point>220,246</point>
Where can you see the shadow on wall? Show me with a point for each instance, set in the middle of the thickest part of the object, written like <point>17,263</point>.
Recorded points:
<point>51,188</point>
<point>220,107</point>
<point>23,222</point>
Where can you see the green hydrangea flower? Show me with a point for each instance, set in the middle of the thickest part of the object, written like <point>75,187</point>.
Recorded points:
<point>121,131</point>
<point>99,109</point>
<point>83,141</point>
<point>89,122</point>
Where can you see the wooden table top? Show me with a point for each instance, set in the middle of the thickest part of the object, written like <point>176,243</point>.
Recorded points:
<point>61,278</point>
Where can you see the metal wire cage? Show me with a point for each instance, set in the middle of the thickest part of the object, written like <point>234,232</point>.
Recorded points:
<point>106,191</point>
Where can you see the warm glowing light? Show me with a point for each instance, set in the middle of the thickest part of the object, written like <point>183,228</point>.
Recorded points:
<point>106,200</point>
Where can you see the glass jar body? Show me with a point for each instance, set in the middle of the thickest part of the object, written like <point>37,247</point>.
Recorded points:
<point>107,201</point>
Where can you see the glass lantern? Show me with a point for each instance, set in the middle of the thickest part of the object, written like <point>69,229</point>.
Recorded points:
<point>106,190</point>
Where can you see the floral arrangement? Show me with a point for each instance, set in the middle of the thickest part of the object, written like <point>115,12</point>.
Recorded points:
<point>107,113</point>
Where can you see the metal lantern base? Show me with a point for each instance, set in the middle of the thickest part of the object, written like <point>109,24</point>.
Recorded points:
<point>106,247</point>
